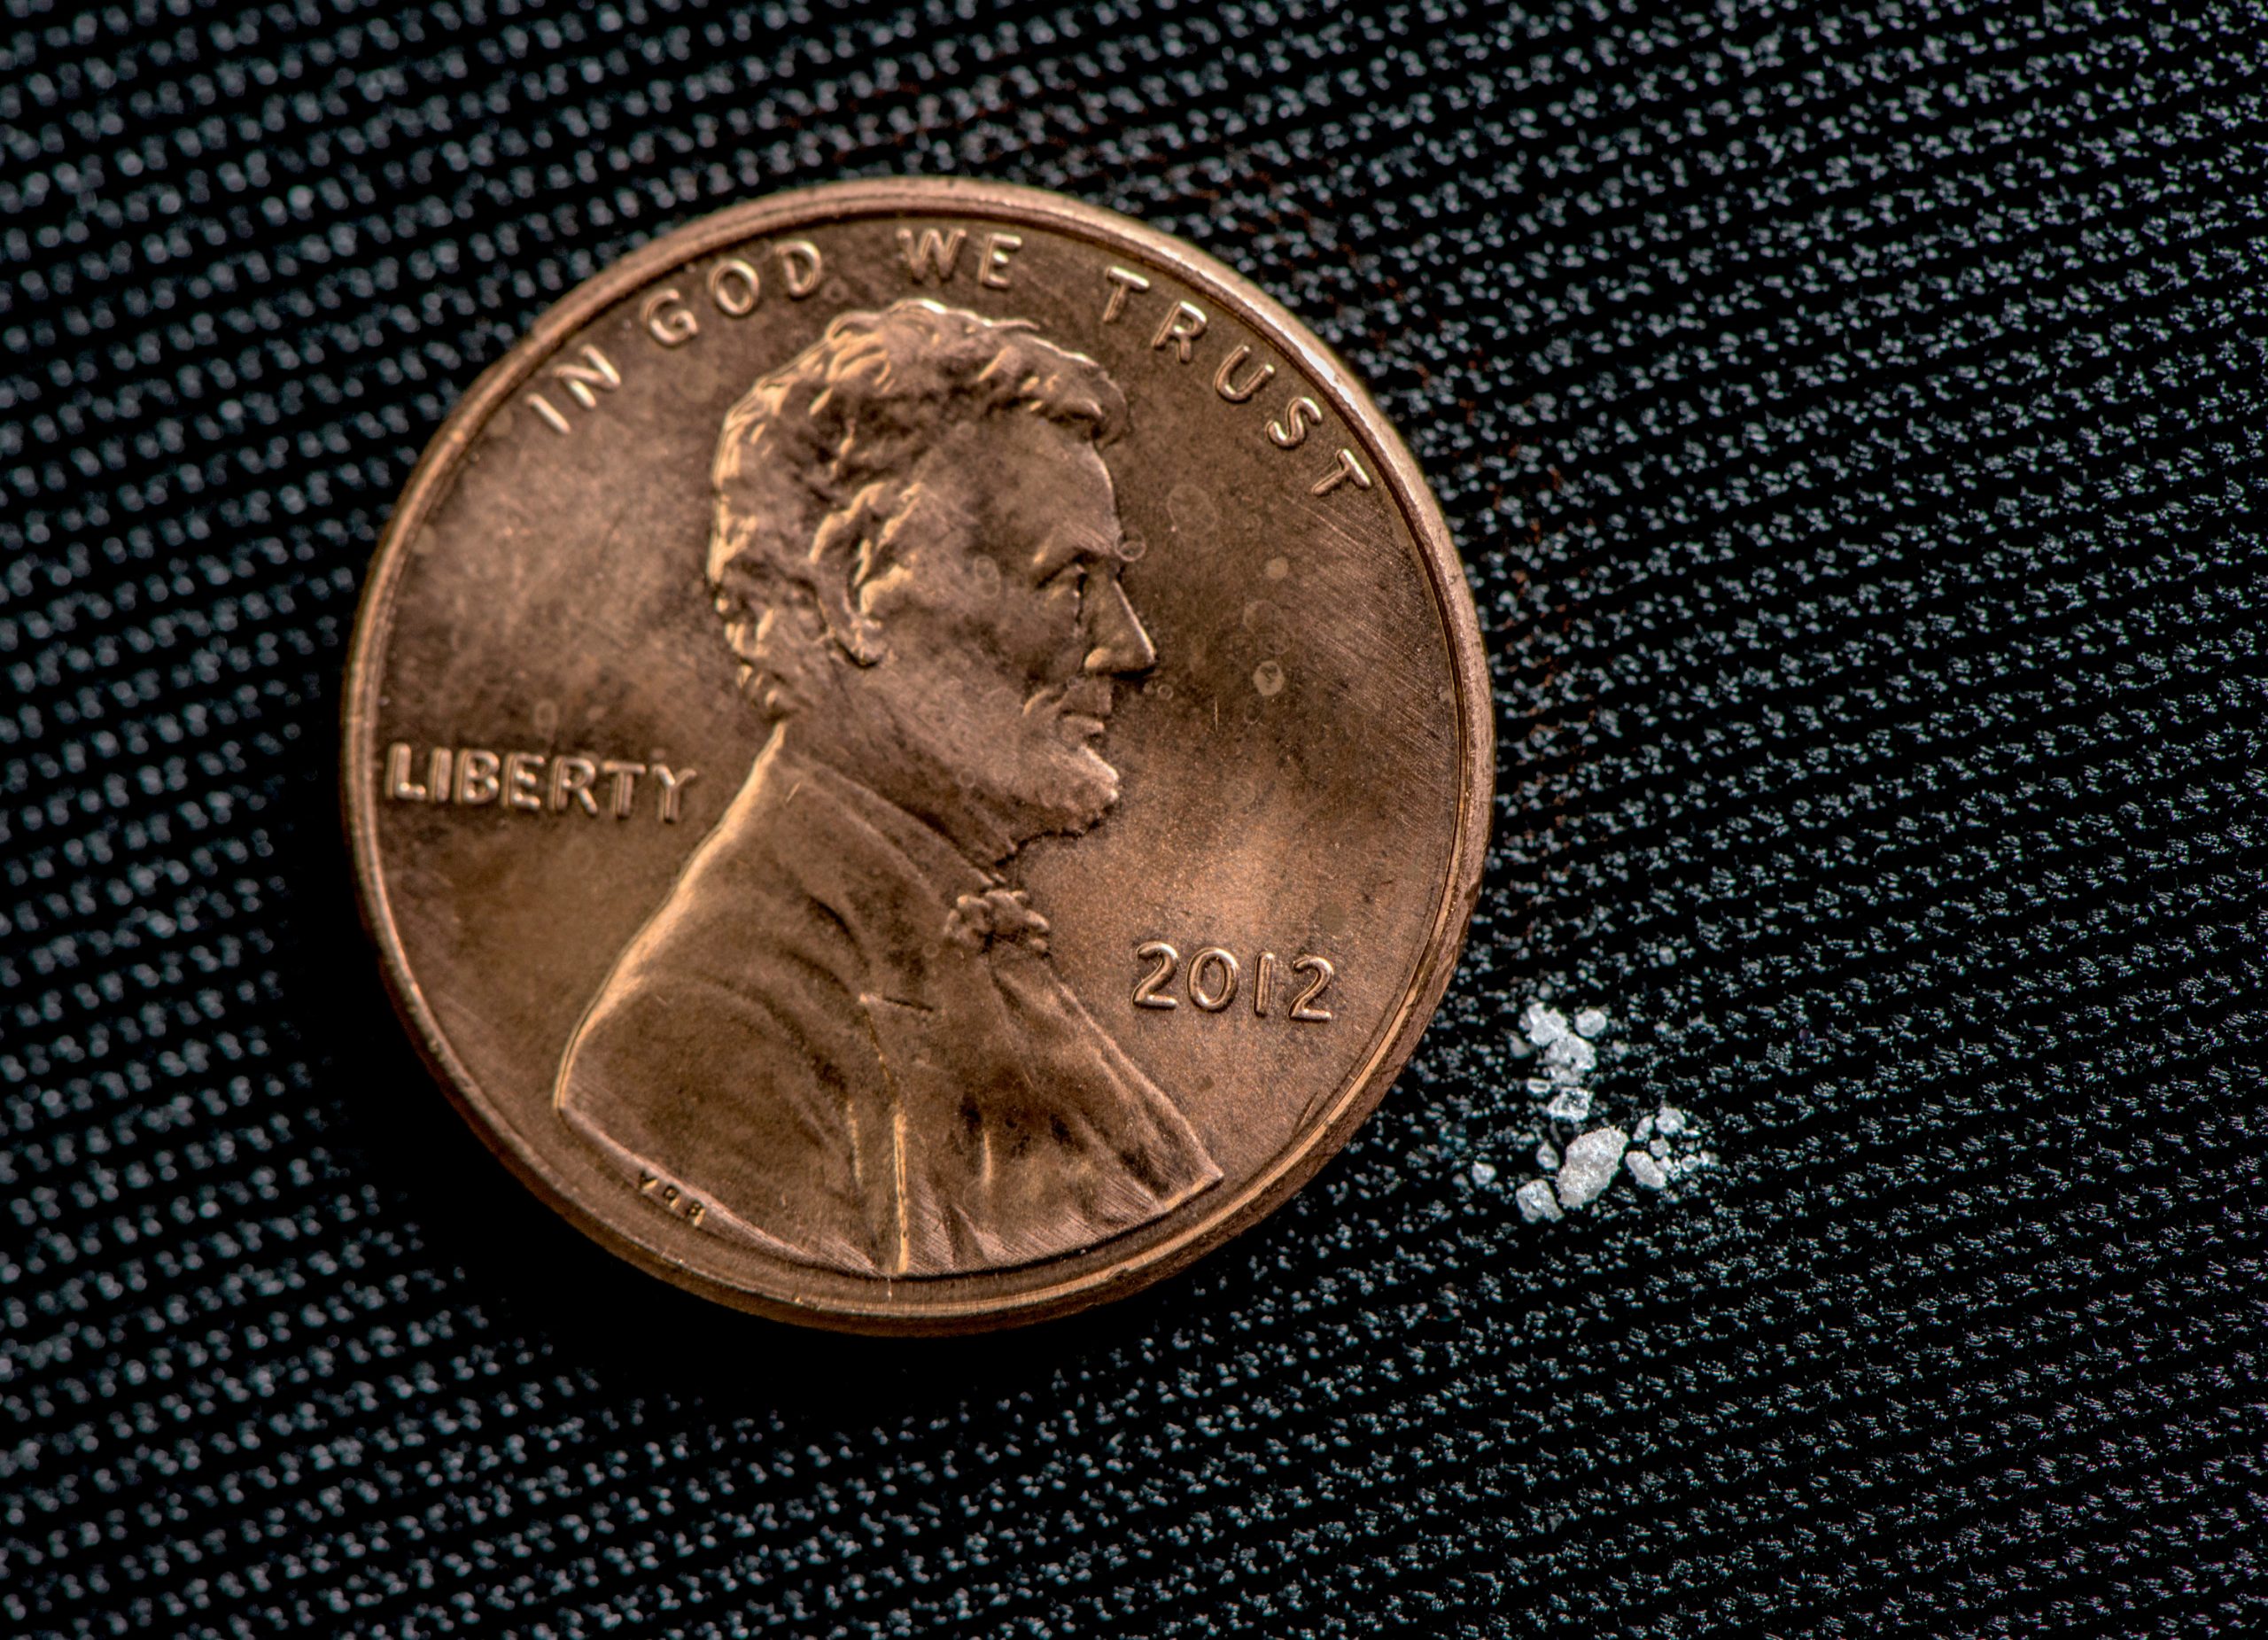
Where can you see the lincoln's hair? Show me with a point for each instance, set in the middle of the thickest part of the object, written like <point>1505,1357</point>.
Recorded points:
<point>814,469</point>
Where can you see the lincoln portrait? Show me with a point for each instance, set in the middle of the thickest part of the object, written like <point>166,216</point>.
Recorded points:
<point>842,1033</point>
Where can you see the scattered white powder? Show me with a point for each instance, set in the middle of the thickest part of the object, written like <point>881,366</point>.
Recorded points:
<point>1484,1173</point>
<point>1579,1168</point>
<point>1588,1169</point>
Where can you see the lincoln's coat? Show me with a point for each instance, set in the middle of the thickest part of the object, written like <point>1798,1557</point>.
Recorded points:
<point>870,1065</point>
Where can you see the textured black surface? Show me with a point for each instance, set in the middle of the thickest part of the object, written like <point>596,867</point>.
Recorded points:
<point>1853,419</point>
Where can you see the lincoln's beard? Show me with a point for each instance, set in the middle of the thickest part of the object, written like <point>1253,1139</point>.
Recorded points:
<point>1062,782</point>
<point>1063,795</point>
<point>1040,775</point>
<point>991,761</point>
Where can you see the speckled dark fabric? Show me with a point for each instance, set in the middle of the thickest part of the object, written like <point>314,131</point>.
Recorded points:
<point>1853,419</point>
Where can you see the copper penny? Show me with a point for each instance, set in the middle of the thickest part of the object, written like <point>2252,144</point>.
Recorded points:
<point>918,756</point>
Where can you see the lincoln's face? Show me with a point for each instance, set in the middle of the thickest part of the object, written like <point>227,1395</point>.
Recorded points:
<point>1004,626</point>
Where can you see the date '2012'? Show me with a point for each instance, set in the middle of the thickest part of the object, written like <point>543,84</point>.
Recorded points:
<point>1214,977</point>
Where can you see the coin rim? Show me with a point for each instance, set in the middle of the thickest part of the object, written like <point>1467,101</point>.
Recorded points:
<point>1358,1094</point>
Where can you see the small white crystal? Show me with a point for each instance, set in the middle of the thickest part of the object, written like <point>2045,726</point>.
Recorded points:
<point>1588,1169</point>
<point>1646,1169</point>
<point>1657,1147</point>
<point>1571,1106</point>
<point>1535,1200</point>
<point>1645,1130</point>
<point>1544,1026</point>
<point>1670,1120</point>
<point>1546,1158</point>
<point>1484,1173</point>
<point>1590,1022</point>
<point>1569,1057</point>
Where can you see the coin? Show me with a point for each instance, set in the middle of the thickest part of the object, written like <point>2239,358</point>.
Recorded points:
<point>917,756</point>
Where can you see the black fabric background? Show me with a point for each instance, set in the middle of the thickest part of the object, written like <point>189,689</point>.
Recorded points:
<point>1852,418</point>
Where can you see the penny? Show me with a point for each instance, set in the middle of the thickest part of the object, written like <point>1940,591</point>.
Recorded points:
<point>918,756</point>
